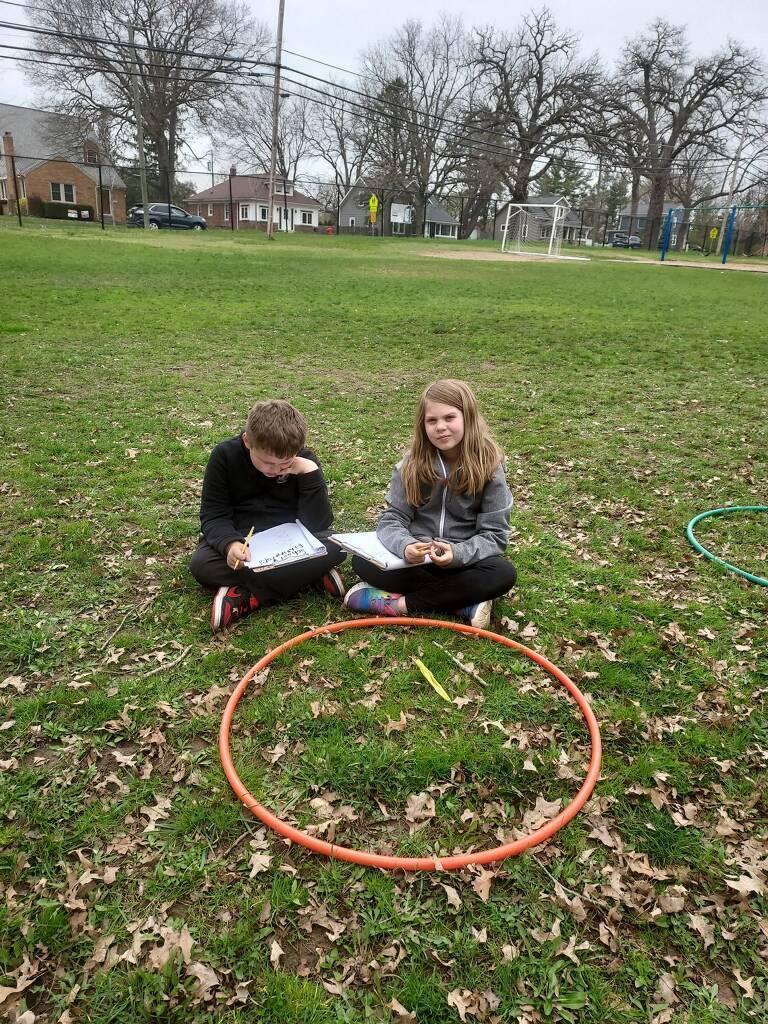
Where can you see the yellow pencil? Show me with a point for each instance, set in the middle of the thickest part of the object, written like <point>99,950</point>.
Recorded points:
<point>250,534</point>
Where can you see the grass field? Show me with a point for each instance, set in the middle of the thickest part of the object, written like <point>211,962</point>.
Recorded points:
<point>628,399</point>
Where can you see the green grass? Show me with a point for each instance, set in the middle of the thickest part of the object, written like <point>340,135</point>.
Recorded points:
<point>628,399</point>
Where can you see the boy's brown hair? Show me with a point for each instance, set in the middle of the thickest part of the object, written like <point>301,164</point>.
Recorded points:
<point>276,427</point>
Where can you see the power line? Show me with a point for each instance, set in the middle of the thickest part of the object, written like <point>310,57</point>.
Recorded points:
<point>482,144</point>
<point>176,51</point>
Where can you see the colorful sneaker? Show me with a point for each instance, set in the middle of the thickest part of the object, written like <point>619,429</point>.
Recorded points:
<point>231,604</point>
<point>332,584</point>
<point>363,598</point>
<point>476,614</point>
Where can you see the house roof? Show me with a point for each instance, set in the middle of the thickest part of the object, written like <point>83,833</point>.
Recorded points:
<point>39,135</point>
<point>437,215</point>
<point>247,187</point>
<point>541,211</point>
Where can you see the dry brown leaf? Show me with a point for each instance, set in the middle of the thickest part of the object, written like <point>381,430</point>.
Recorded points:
<point>461,1000</point>
<point>482,882</point>
<point>453,897</point>
<point>401,1011</point>
<point>258,862</point>
<point>275,952</point>
<point>744,983</point>
<point>746,884</point>
<point>419,807</point>
<point>704,927</point>
<point>207,979</point>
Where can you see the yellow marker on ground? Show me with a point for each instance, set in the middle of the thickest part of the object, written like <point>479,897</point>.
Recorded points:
<point>431,679</point>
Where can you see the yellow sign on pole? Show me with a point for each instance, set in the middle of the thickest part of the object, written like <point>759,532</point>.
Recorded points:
<point>713,233</point>
<point>373,207</point>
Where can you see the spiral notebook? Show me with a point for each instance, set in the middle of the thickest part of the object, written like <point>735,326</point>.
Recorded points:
<point>289,542</point>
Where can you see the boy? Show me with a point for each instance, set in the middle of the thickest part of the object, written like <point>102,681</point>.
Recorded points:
<point>262,478</point>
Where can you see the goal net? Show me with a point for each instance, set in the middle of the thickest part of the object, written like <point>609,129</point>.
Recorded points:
<point>534,230</point>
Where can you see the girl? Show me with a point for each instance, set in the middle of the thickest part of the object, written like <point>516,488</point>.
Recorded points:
<point>448,500</point>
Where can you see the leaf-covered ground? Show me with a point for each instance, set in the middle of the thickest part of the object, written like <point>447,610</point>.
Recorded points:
<point>628,398</point>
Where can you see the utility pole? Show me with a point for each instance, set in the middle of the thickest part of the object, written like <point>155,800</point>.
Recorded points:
<point>733,179</point>
<point>139,126</point>
<point>275,115</point>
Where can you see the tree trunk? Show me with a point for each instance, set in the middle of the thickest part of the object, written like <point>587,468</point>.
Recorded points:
<point>519,190</point>
<point>654,223</point>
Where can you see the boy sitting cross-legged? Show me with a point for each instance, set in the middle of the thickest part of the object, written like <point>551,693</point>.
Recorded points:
<point>264,477</point>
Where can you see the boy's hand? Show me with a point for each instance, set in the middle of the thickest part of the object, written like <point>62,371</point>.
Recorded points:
<point>415,553</point>
<point>441,553</point>
<point>299,466</point>
<point>237,554</point>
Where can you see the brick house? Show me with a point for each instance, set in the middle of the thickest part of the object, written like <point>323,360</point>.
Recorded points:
<point>53,165</point>
<point>249,195</point>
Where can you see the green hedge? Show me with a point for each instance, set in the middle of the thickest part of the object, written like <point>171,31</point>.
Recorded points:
<point>60,211</point>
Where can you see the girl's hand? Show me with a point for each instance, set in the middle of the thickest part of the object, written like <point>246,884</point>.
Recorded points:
<point>441,553</point>
<point>237,555</point>
<point>415,553</point>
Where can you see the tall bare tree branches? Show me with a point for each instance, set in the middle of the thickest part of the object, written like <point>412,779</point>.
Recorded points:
<point>679,107</point>
<point>96,83</point>
<point>541,92</point>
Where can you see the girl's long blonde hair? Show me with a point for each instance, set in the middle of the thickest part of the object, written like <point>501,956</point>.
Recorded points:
<point>479,455</point>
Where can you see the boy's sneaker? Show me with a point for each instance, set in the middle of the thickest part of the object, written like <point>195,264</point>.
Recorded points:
<point>362,598</point>
<point>332,584</point>
<point>231,604</point>
<point>476,614</point>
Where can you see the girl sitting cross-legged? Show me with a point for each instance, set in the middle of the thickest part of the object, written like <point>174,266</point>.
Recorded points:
<point>448,501</point>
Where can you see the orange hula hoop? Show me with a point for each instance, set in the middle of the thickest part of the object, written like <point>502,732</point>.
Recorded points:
<point>378,860</point>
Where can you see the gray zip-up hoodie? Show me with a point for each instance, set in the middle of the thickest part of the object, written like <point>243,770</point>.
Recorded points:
<point>476,525</point>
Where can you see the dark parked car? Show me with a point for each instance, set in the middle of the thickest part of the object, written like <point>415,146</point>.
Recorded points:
<point>621,240</point>
<point>158,218</point>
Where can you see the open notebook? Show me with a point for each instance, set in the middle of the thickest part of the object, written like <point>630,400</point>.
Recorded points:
<point>368,545</point>
<point>289,542</point>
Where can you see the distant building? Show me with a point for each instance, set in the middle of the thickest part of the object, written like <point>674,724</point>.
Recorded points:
<point>56,162</point>
<point>396,214</point>
<point>242,201</point>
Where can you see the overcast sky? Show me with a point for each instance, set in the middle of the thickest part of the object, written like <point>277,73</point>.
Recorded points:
<point>337,31</point>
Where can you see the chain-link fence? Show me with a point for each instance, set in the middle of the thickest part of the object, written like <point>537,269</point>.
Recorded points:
<point>94,191</point>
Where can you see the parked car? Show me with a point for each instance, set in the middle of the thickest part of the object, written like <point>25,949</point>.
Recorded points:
<point>158,218</point>
<point>621,240</point>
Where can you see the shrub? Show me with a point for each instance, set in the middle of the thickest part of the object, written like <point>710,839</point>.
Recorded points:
<point>35,206</point>
<point>60,211</point>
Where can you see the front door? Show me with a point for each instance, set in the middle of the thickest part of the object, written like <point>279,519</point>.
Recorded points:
<point>106,201</point>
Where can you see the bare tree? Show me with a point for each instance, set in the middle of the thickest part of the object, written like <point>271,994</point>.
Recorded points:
<point>542,94</point>
<point>417,81</point>
<point>243,126</point>
<point>674,104</point>
<point>341,137</point>
<point>96,81</point>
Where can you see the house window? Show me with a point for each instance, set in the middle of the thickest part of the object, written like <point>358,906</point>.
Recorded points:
<point>226,212</point>
<point>91,156</point>
<point>3,189</point>
<point>263,211</point>
<point>306,216</point>
<point>23,188</point>
<point>544,231</point>
<point>244,211</point>
<point>398,228</point>
<point>62,193</point>
<point>445,230</point>
<point>210,209</point>
<point>351,222</point>
<point>281,189</point>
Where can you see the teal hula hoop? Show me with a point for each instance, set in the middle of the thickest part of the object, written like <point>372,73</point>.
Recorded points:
<point>713,558</point>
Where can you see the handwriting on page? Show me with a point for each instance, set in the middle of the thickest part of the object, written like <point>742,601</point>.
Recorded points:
<point>290,554</point>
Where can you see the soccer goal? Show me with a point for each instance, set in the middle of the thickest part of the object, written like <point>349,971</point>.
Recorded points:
<point>534,230</point>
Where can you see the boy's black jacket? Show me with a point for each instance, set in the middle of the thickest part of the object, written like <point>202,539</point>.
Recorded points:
<point>236,497</point>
